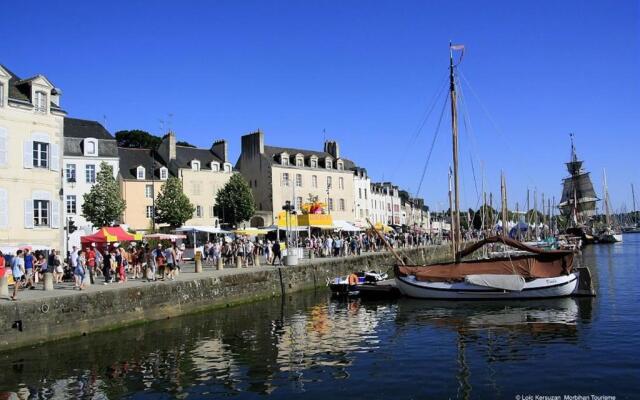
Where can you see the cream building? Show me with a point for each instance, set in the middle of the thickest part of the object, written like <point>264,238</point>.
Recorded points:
<point>280,174</point>
<point>385,204</point>
<point>31,125</point>
<point>140,176</point>
<point>203,172</point>
<point>87,144</point>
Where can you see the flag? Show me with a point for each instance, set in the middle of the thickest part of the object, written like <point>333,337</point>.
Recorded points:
<point>457,47</point>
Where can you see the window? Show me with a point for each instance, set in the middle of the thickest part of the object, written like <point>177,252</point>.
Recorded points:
<point>314,163</point>
<point>71,204</point>
<point>1,94</point>
<point>340,183</point>
<point>227,168</point>
<point>341,204</point>
<point>140,173</point>
<point>284,159</point>
<point>195,165</point>
<point>299,162</point>
<point>361,213</point>
<point>148,191</point>
<point>285,179</point>
<point>195,188</point>
<point>365,194</point>
<point>40,155</point>
<point>359,193</point>
<point>330,204</point>
<point>314,181</point>
<point>212,211</point>
<point>40,213</point>
<point>298,180</point>
<point>198,211</point>
<point>40,102</point>
<point>70,173</point>
<point>164,173</point>
<point>340,165</point>
<point>298,203</point>
<point>90,147</point>
<point>149,212</point>
<point>90,173</point>
<point>328,163</point>
<point>328,182</point>
<point>215,167</point>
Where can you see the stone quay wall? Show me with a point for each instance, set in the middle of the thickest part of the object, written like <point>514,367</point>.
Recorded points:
<point>32,321</point>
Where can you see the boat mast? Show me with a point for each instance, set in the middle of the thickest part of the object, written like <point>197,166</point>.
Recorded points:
<point>606,199</point>
<point>633,199</point>
<point>503,187</point>
<point>454,248</point>
<point>455,221</point>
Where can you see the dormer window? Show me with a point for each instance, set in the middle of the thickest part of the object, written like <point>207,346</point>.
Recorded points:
<point>328,163</point>
<point>164,173</point>
<point>340,165</point>
<point>299,160</point>
<point>215,167</point>
<point>195,165</point>
<point>314,162</point>
<point>90,147</point>
<point>140,173</point>
<point>284,159</point>
<point>227,167</point>
<point>40,102</point>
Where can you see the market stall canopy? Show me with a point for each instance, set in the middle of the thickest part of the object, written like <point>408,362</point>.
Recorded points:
<point>165,236</point>
<point>383,228</point>
<point>11,250</point>
<point>207,229</point>
<point>345,226</point>
<point>109,234</point>
<point>251,231</point>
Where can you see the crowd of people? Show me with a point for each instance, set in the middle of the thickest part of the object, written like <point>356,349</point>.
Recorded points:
<point>117,264</point>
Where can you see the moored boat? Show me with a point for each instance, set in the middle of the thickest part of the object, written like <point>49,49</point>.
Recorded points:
<point>538,274</point>
<point>350,285</point>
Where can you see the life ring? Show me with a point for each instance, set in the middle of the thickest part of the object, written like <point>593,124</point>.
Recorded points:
<point>44,308</point>
<point>353,280</point>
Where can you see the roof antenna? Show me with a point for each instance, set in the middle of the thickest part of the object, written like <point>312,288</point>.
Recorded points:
<point>104,121</point>
<point>170,120</point>
<point>161,126</point>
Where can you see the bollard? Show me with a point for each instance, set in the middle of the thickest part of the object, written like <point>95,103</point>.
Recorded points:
<point>312,254</point>
<point>48,281</point>
<point>198,258</point>
<point>87,279</point>
<point>256,260</point>
<point>220,266</point>
<point>4,286</point>
<point>238,262</point>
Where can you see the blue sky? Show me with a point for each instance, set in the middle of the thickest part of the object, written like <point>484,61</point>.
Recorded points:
<point>364,71</point>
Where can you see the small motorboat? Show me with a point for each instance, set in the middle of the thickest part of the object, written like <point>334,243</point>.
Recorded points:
<point>610,235</point>
<point>350,285</point>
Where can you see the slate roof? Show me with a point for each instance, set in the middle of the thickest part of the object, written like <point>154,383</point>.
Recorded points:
<point>19,89</point>
<point>272,153</point>
<point>83,128</point>
<point>130,159</point>
<point>184,156</point>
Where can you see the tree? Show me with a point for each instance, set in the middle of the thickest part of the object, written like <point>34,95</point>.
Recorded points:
<point>235,201</point>
<point>172,205</point>
<point>137,139</point>
<point>103,204</point>
<point>489,215</point>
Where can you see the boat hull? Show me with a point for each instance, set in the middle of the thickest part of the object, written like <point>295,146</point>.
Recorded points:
<point>561,286</point>
<point>610,238</point>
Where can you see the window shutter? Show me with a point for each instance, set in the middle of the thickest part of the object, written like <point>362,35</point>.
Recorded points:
<point>28,214</point>
<point>55,157</point>
<point>3,146</point>
<point>55,214</point>
<point>27,155</point>
<point>4,209</point>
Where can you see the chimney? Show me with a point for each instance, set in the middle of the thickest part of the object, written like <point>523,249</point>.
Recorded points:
<point>331,147</point>
<point>219,148</point>
<point>252,144</point>
<point>167,148</point>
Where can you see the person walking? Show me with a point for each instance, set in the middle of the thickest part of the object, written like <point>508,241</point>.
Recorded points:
<point>80,269</point>
<point>170,256</point>
<point>28,267</point>
<point>17,269</point>
<point>2,265</point>
<point>106,266</point>
<point>277,253</point>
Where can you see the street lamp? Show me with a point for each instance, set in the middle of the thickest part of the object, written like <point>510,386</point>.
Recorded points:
<point>328,204</point>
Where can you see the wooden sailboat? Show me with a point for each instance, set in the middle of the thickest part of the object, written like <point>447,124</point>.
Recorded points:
<point>532,273</point>
<point>609,234</point>
<point>634,227</point>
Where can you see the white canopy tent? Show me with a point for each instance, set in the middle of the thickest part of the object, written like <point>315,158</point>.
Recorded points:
<point>345,226</point>
<point>195,229</point>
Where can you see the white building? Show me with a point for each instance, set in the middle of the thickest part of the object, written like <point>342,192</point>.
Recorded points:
<point>385,204</point>
<point>86,145</point>
<point>362,197</point>
<point>31,123</point>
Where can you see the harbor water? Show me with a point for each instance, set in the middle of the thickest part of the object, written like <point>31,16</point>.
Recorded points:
<point>309,345</point>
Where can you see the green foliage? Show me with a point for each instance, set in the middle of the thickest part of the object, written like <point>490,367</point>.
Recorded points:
<point>235,201</point>
<point>489,216</point>
<point>103,204</point>
<point>137,138</point>
<point>184,144</point>
<point>172,205</point>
